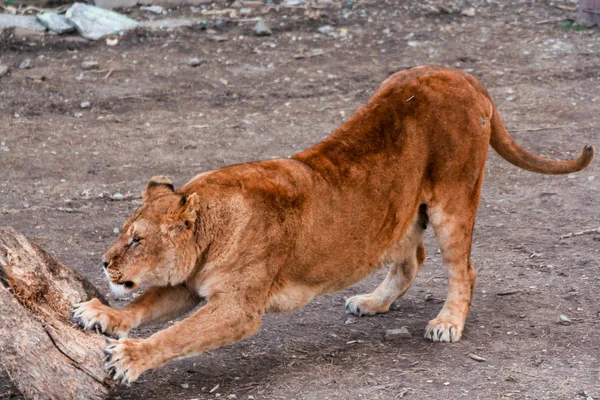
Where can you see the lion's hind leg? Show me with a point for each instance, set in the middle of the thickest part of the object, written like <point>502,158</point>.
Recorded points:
<point>408,256</point>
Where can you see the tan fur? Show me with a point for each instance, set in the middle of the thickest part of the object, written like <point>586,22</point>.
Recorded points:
<point>272,235</point>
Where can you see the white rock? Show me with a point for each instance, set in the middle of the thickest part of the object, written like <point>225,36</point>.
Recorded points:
<point>94,23</point>
<point>393,334</point>
<point>469,12</point>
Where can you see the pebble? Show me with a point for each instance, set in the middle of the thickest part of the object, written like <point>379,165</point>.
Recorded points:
<point>393,334</point>
<point>184,386</point>
<point>261,29</point>
<point>245,11</point>
<point>194,62</point>
<point>153,9</point>
<point>78,115</point>
<point>117,196</point>
<point>469,12</point>
<point>87,65</point>
<point>350,321</point>
<point>325,29</point>
<point>564,320</point>
<point>85,104</point>
<point>218,38</point>
<point>25,64</point>
<point>3,70</point>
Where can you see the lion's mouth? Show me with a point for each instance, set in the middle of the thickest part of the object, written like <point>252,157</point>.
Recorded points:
<point>122,288</point>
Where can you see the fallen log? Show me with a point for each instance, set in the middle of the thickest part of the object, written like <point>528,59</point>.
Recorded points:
<point>43,352</point>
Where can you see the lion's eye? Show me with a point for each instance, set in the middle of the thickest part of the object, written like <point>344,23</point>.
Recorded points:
<point>134,241</point>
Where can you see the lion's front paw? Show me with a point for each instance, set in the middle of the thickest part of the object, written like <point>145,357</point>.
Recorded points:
<point>444,330</point>
<point>94,315</point>
<point>365,304</point>
<point>126,359</point>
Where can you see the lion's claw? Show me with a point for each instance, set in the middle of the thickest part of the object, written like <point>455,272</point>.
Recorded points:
<point>124,360</point>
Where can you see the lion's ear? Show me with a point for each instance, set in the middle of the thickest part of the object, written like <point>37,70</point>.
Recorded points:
<point>157,185</point>
<point>189,207</point>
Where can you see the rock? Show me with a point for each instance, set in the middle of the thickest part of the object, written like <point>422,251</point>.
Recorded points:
<point>88,65</point>
<point>184,386</point>
<point>194,62</point>
<point>218,38</point>
<point>3,70</point>
<point>237,5</point>
<point>153,9</point>
<point>56,22</point>
<point>294,2</point>
<point>394,334</point>
<point>350,321</point>
<point>245,11</point>
<point>112,41</point>
<point>21,21</point>
<point>469,12</point>
<point>261,29</point>
<point>78,115</point>
<point>117,196</point>
<point>564,320</point>
<point>94,23</point>
<point>85,104</point>
<point>25,64</point>
<point>325,29</point>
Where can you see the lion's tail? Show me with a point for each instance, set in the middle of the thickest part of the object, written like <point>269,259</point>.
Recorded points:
<point>504,144</point>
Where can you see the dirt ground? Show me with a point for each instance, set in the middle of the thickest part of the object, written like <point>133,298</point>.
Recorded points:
<point>69,180</point>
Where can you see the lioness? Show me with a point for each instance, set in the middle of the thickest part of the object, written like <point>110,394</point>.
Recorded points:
<point>270,236</point>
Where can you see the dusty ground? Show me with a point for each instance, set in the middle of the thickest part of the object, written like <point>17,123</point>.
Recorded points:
<point>250,99</point>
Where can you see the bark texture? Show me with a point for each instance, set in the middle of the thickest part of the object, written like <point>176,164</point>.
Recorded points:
<point>44,353</point>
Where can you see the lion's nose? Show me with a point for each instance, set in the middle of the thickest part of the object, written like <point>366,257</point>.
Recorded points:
<point>105,263</point>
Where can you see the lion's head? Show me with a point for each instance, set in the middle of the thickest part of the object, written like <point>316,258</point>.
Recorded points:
<point>157,244</point>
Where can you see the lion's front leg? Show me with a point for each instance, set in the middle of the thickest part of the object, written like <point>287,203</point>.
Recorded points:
<point>155,305</point>
<point>221,321</point>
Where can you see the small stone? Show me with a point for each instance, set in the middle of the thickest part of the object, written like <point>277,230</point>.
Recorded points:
<point>112,41</point>
<point>261,29</point>
<point>393,334</point>
<point>245,11</point>
<point>350,321</point>
<point>88,65</point>
<point>85,104</point>
<point>117,196</point>
<point>325,29</point>
<point>25,64</point>
<point>3,70</point>
<point>564,320</point>
<point>153,9</point>
<point>184,386</point>
<point>237,5</point>
<point>468,12</point>
<point>78,115</point>
<point>194,62</point>
<point>218,38</point>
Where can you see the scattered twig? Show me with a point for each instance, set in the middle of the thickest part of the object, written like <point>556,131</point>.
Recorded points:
<point>551,21</point>
<point>540,129</point>
<point>508,292</point>
<point>586,232</point>
<point>476,357</point>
